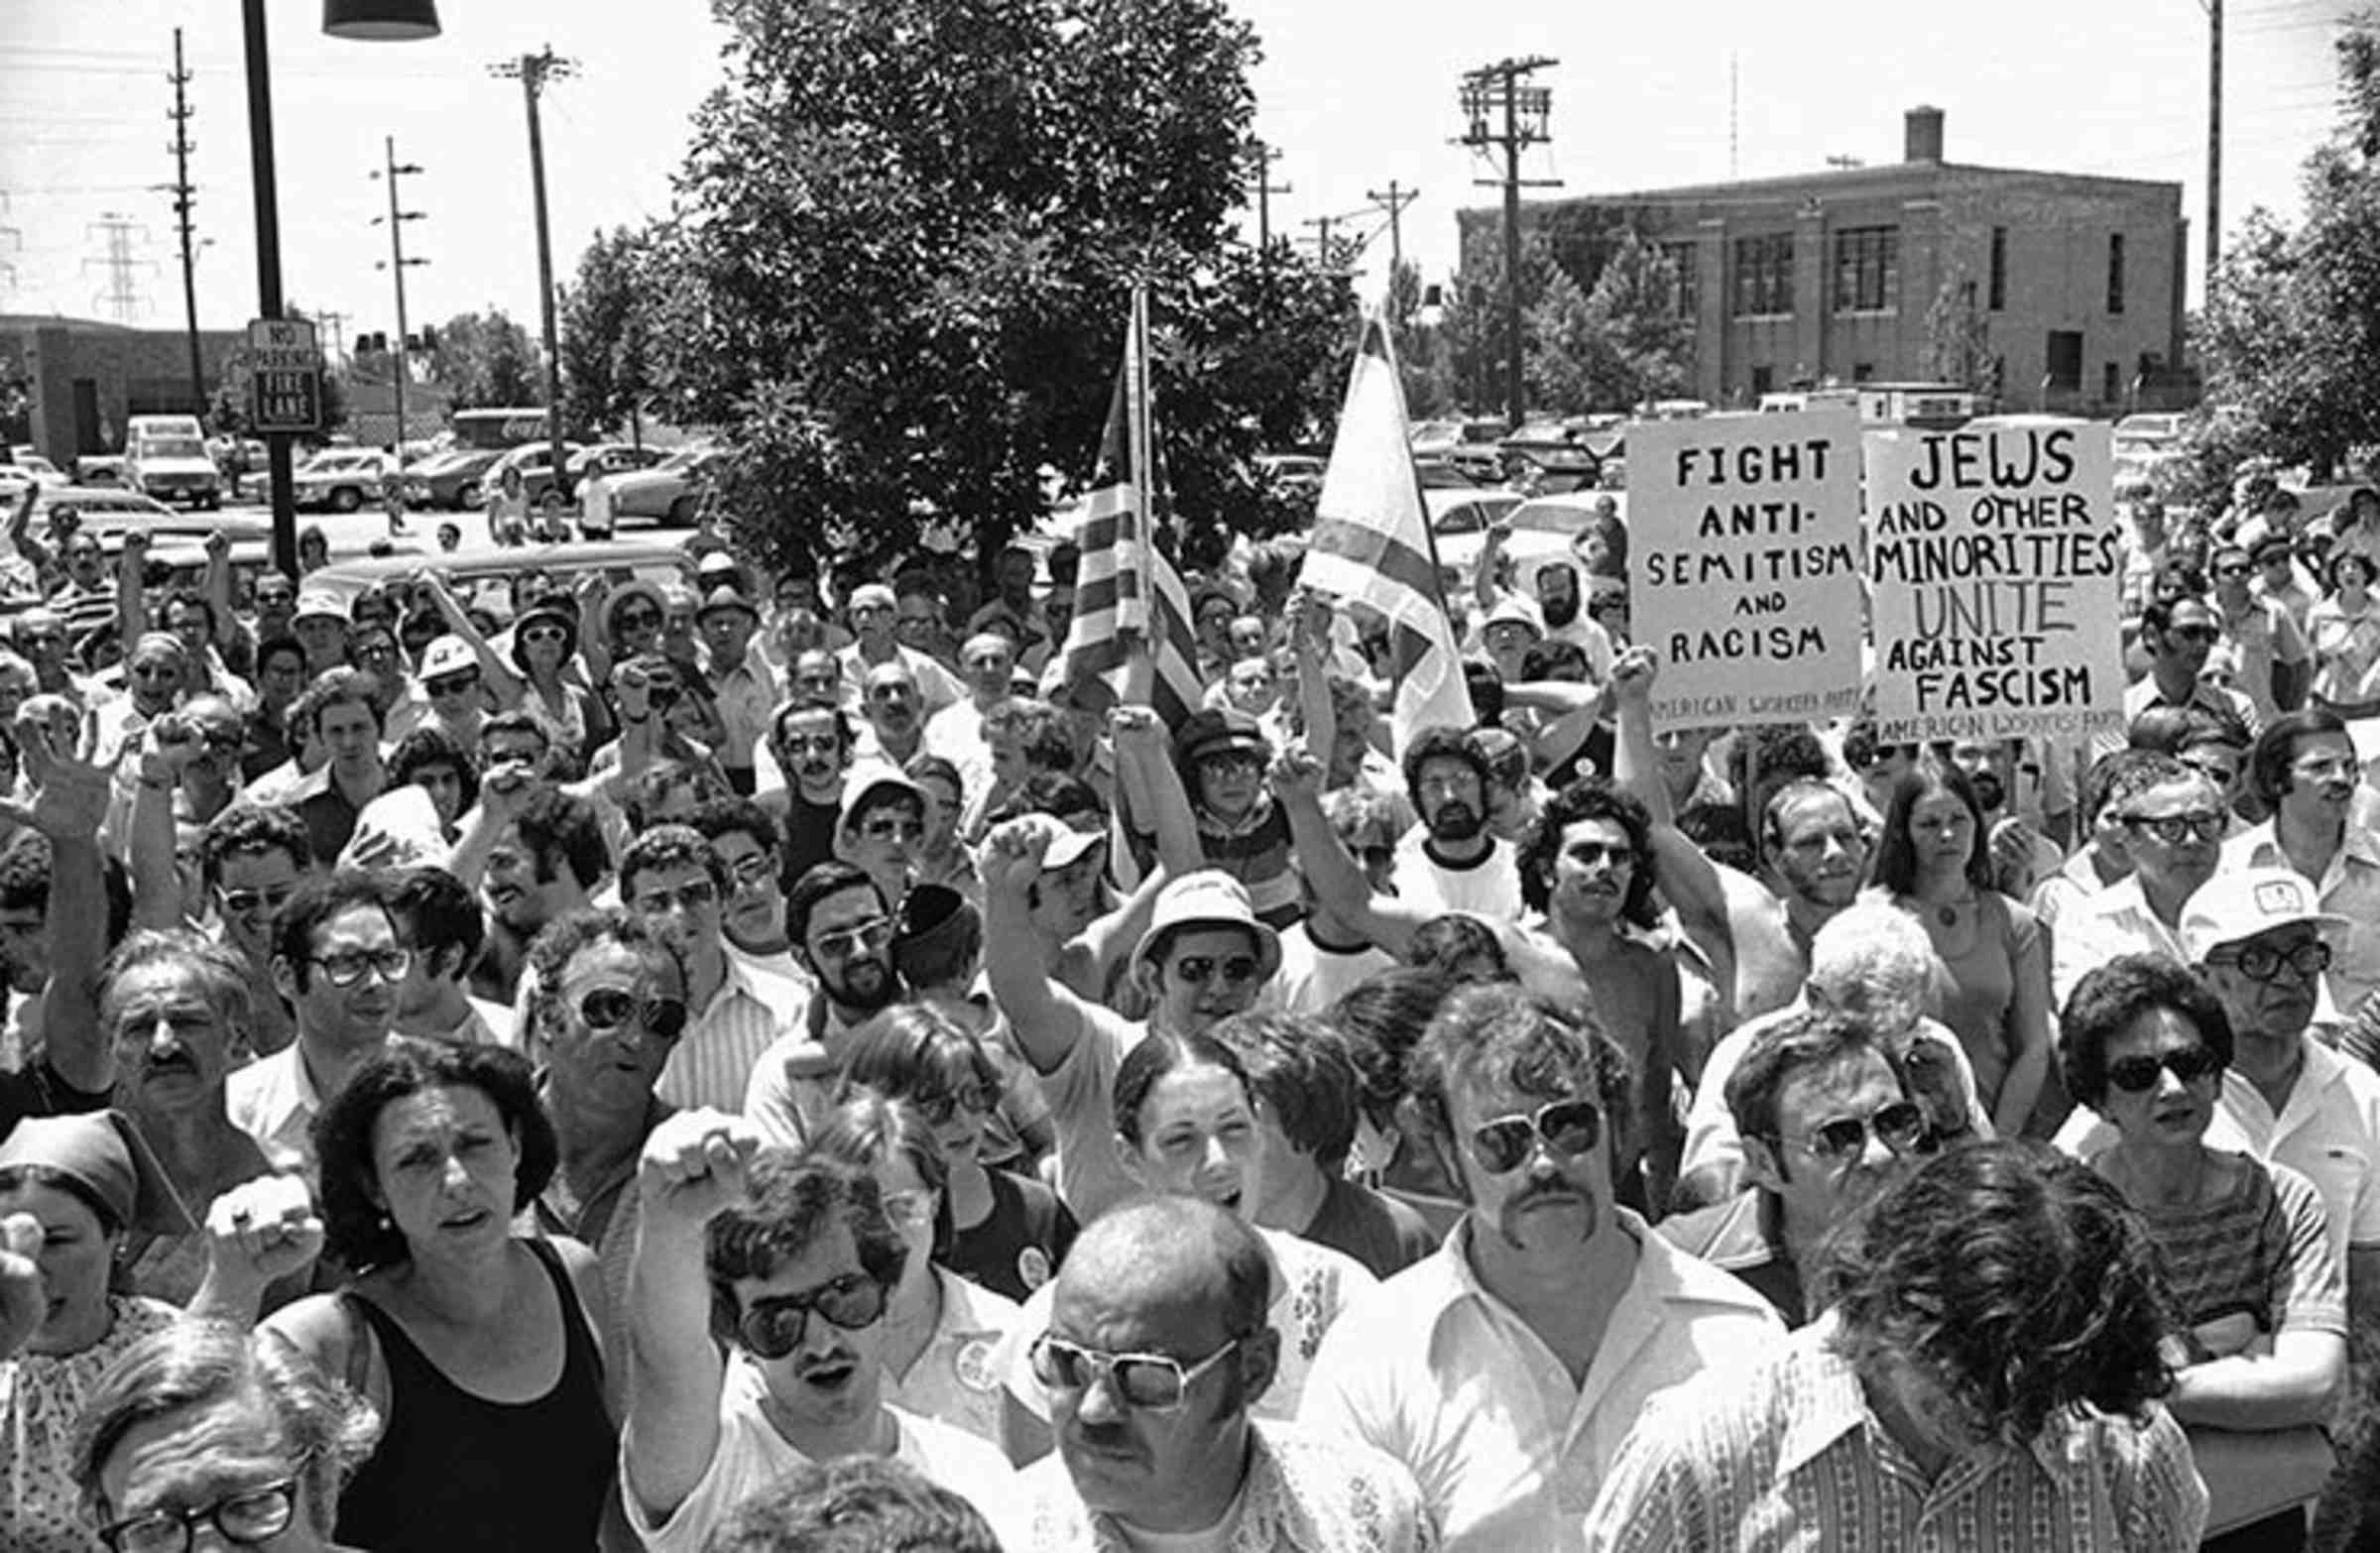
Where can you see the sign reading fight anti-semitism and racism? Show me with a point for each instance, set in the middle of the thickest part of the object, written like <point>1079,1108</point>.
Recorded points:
<point>1997,565</point>
<point>1745,537</point>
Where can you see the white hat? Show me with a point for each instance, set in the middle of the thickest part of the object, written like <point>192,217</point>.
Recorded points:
<point>448,654</point>
<point>1209,897</point>
<point>2239,903</point>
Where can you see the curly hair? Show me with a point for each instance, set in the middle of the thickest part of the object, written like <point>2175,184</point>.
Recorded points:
<point>784,1215</point>
<point>1158,1056</point>
<point>429,746</point>
<point>196,1364</point>
<point>1442,742</point>
<point>357,1231</point>
<point>1381,1019</point>
<point>228,979</point>
<point>858,1505</point>
<point>2120,776</point>
<point>869,1131</point>
<point>555,823</point>
<point>915,1051</point>
<point>1453,940</point>
<point>1300,1069</point>
<point>1499,1032</point>
<point>1896,849</point>
<point>2020,1282</point>
<point>561,941</point>
<point>2107,1000</point>
<point>1589,798</point>
<point>1802,1041</point>
<point>1785,752</point>
<point>315,902</point>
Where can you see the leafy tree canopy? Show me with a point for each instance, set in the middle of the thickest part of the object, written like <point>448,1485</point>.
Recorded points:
<point>488,361</point>
<point>604,334</point>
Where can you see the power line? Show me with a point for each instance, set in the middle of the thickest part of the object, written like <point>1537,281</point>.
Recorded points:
<point>1524,111</point>
<point>1394,202</point>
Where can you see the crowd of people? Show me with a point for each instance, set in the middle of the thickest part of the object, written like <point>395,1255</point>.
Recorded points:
<point>749,1062</point>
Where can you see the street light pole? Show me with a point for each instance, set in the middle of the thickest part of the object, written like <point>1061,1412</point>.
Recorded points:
<point>268,264</point>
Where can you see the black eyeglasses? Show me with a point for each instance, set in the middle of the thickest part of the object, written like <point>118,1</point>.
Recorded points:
<point>2137,1075</point>
<point>1199,969</point>
<point>774,1328</point>
<point>2259,964</point>
<point>692,897</point>
<point>608,1008</point>
<point>1569,1128</point>
<point>637,620</point>
<point>455,685</point>
<point>245,1518</point>
<point>1900,1125</point>
<point>1149,1382</point>
<point>348,968</point>
<point>248,902</point>
<point>2193,632</point>
<point>2177,829</point>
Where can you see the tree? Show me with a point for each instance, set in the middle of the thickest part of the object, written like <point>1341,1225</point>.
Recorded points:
<point>906,232</point>
<point>1618,345</point>
<point>605,339</point>
<point>486,360</point>
<point>1959,338</point>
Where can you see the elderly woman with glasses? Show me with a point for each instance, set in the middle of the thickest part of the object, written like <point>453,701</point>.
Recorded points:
<point>481,1350</point>
<point>2259,1342</point>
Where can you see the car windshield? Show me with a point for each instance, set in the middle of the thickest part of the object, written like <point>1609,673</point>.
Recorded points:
<point>171,447</point>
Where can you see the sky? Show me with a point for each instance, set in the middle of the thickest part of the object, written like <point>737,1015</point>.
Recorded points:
<point>1353,93</point>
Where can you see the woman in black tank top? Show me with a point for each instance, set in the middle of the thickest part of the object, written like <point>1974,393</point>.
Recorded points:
<point>477,1349</point>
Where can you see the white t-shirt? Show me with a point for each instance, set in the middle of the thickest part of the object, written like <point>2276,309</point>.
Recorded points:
<point>1312,978</point>
<point>1489,888</point>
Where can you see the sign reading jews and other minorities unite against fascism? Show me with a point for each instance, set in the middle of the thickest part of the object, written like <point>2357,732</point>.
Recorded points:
<point>1745,533</point>
<point>1996,563</point>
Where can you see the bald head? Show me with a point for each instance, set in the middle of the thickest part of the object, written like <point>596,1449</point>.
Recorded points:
<point>1178,1254</point>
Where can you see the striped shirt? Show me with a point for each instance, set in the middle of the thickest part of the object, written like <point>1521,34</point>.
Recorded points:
<point>712,1063</point>
<point>1785,1456</point>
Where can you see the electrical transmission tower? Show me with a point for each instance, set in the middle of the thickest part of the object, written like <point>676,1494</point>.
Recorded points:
<point>534,71</point>
<point>184,199</point>
<point>396,264</point>
<point>121,299</point>
<point>1500,113</point>
<point>11,241</point>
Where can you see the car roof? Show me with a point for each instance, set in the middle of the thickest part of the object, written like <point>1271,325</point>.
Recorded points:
<point>647,559</point>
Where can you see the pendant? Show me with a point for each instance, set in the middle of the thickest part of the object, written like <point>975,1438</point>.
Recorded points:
<point>1948,915</point>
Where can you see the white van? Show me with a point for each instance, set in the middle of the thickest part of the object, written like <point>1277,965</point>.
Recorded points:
<point>165,460</point>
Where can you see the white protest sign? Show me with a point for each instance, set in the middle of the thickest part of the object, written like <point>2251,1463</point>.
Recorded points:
<point>1998,562</point>
<point>1745,533</point>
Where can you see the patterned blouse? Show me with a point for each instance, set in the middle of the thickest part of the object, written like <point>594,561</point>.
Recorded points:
<point>41,1405</point>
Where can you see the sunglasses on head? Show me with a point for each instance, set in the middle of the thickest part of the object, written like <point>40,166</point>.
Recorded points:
<point>1237,970</point>
<point>1150,1382</point>
<point>609,1009</point>
<point>774,1328</point>
<point>1901,1125</point>
<point>2138,1075</point>
<point>1569,1128</point>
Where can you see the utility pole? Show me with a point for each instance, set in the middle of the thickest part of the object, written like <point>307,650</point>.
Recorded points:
<point>2215,140</point>
<point>534,71</point>
<point>1488,91</point>
<point>121,299</point>
<point>1394,202</point>
<point>396,264</point>
<point>1264,157</point>
<point>184,199</point>
<point>1322,238</point>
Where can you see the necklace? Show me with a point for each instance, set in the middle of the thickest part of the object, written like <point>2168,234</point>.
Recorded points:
<point>1946,913</point>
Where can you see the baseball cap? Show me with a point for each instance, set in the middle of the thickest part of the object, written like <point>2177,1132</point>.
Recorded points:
<point>1068,846</point>
<point>869,779</point>
<point>1216,729</point>
<point>448,654</point>
<point>1209,897</point>
<point>872,594</point>
<point>726,596</point>
<point>320,605</point>
<point>2239,903</point>
<point>1513,609</point>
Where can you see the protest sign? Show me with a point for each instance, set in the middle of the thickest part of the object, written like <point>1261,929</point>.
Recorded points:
<point>1996,561</point>
<point>1745,580</point>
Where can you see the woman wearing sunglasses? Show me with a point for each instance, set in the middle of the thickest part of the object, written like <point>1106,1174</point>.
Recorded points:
<point>2260,1341</point>
<point>940,1330</point>
<point>1186,1126</point>
<point>479,1349</point>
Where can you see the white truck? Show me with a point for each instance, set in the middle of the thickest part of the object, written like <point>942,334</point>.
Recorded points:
<point>165,460</point>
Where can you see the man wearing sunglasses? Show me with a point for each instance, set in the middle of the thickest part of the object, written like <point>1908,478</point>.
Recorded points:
<point>250,860</point>
<point>2305,768</point>
<point>1825,1120</point>
<point>2179,634</point>
<point>671,877</point>
<point>2168,823</point>
<point>1157,1349</point>
<point>882,827</point>
<point>1445,1365</point>
<point>791,1264</point>
<point>338,959</point>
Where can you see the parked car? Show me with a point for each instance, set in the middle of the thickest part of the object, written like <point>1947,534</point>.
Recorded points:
<point>1544,528</point>
<point>610,459</point>
<point>467,571</point>
<point>99,469</point>
<point>342,479</point>
<point>534,460</point>
<point>166,457</point>
<point>1459,523</point>
<point>27,467</point>
<point>671,492</point>
<point>453,480</point>
<point>1549,467</point>
<point>103,511</point>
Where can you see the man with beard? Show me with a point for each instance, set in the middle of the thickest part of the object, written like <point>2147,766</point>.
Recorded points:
<point>2305,768</point>
<point>895,711</point>
<point>874,614</point>
<point>842,929</point>
<point>1205,956</point>
<point>338,959</point>
<point>1157,1349</point>
<point>673,880</point>
<point>796,1262</point>
<point>812,745</point>
<point>1445,1365</point>
<point>1561,605</point>
<point>2170,824</point>
<point>1453,864</point>
<point>535,853</point>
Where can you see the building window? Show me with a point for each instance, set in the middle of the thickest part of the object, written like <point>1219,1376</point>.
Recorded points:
<point>1764,277</point>
<point>2111,383</point>
<point>1862,371</point>
<point>1686,291</point>
<point>2000,269</point>
<point>2063,359</point>
<point>1868,269</point>
<point>2115,273</point>
<point>1764,383</point>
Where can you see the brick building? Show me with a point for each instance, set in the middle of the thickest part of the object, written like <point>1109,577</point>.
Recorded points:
<point>86,377</point>
<point>2066,290</point>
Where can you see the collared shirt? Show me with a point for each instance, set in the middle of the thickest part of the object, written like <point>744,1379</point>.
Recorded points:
<point>2261,636</point>
<point>1789,1459</point>
<point>1301,1494</point>
<point>1448,1378</point>
<point>711,1064</point>
<point>2142,693</point>
<point>2349,887</point>
<point>2116,920</point>
<point>326,812</point>
<point>937,687</point>
<point>274,1100</point>
<point>1743,1234</point>
<point>745,694</point>
<point>956,1379</point>
<point>2328,1131</point>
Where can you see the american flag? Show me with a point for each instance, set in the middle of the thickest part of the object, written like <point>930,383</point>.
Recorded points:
<point>1131,634</point>
<point>1371,542</point>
